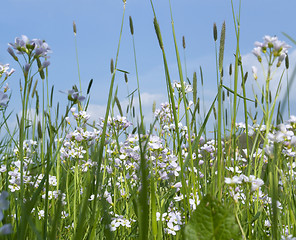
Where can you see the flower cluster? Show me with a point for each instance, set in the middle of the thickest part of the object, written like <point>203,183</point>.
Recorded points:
<point>119,221</point>
<point>32,50</point>
<point>115,125</point>
<point>173,220</point>
<point>4,70</point>
<point>34,47</point>
<point>273,47</point>
<point>178,86</point>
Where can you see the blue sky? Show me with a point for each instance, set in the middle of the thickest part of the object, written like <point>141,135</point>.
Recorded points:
<point>98,25</point>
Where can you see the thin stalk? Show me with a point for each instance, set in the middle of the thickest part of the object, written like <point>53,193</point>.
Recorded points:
<point>103,135</point>
<point>170,93</point>
<point>193,177</point>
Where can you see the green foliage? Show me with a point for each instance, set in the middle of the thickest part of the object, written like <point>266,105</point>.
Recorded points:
<point>212,221</point>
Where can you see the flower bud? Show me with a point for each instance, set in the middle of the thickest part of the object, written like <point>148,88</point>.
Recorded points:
<point>11,52</point>
<point>254,70</point>
<point>27,68</point>
<point>45,64</point>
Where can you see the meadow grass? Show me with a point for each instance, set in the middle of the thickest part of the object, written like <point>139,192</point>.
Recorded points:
<point>119,177</point>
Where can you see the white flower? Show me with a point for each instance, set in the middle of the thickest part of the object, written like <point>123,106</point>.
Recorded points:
<point>41,214</point>
<point>254,70</point>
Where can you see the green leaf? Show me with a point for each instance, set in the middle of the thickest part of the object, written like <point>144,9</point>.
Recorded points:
<point>230,90</point>
<point>212,220</point>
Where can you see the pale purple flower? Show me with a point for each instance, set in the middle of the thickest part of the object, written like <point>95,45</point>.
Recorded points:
<point>6,229</point>
<point>20,44</point>
<point>11,52</point>
<point>3,99</point>
<point>4,203</point>
<point>45,64</point>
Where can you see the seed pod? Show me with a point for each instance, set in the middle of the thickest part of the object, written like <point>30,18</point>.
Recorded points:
<point>230,69</point>
<point>215,32</point>
<point>183,42</point>
<point>131,25</point>
<point>39,63</point>
<point>270,97</point>
<point>112,66</point>
<point>41,73</point>
<point>74,28</point>
<point>223,96</point>
<point>198,100</point>
<point>134,114</point>
<point>256,101</point>
<point>287,61</point>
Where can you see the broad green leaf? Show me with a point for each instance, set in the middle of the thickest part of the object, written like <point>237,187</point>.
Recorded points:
<point>212,220</point>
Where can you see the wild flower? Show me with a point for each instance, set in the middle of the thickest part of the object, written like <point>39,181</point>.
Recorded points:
<point>41,214</point>
<point>273,47</point>
<point>3,99</point>
<point>178,86</point>
<point>119,221</point>
<point>4,70</point>
<point>35,47</point>
<point>4,205</point>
